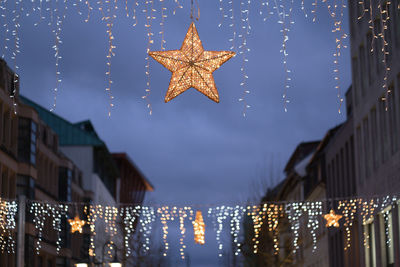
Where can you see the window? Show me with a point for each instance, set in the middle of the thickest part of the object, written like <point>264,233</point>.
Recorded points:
<point>355,79</point>
<point>370,248</point>
<point>26,186</point>
<point>387,237</point>
<point>370,58</point>
<point>366,147</point>
<point>27,132</point>
<point>374,138</point>
<point>363,65</point>
<point>64,184</point>
<point>393,129</point>
<point>359,154</point>
<point>383,130</point>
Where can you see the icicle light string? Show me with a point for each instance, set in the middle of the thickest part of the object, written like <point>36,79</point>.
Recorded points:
<point>243,50</point>
<point>165,216</point>
<point>89,10</point>
<point>232,25</point>
<point>162,24</point>
<point>223,15</point>
<point>3,7</point>
<point>177,5</point>
<point>134,17</point>
<point>218,215</point>
<point>8,212</point>
<point>149,9</point>
<point>264,4</point>
<point>371,26</point>
<point>257,214</point>
<point>16,18</point>
<point>285,21</point>
<point>314,10</point>
<point>110,216</point>
<point>384,17</point>
<point>76,5</point>
<point>57,42</point>
<point>303,9</point>
<point>361,4</point>
<point>129,216</point>
<point>185,212</point>
<point>337,16</point>
<point>147,217</point>
<point>236,214</point>
<point>108,10</point>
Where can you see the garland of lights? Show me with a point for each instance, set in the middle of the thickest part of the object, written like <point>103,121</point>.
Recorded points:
<point>228,218</point>
<point>53,14</point>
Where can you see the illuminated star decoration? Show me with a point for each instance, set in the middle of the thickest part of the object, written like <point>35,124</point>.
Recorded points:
<point>332,219</point>
<point>76,224</point>
<point>199,228</point>
<point>191,66</point>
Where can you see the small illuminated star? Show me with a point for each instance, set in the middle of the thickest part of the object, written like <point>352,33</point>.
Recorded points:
<point>191,66</point>
<point>332,219</point>
<point>76,224</point>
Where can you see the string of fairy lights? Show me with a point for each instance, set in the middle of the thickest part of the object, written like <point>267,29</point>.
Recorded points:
<point>233,13</point>
<point>122,222</point>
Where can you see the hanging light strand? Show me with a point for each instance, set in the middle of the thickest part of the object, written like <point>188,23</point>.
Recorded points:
<point>337,16</point>
<point>221,9</point>
<point>89,10</point>
<point>243,50</point>
<point>232,25</point>
<point>349,208</point>
<point>363,8</point>
<point>314,10</point>
<point>285,21</point>
<point>384,18</point>
<point>8,212</point>
<point>185,212</point>
<point>108,12</point>
<point>265,5</point>
<point>162,24</point>
<point>303,9</point>
<point>57,42</point>
<point>149,9</point>
<point>257,215</point>
<point>3,8</point>
<point>15,33</point>
<point>134,17</point>
<point>177,5</point>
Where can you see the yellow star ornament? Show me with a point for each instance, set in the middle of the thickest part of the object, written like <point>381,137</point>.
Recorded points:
<point>332,219</point>
<point>76,224</point>
<point>191,66</point>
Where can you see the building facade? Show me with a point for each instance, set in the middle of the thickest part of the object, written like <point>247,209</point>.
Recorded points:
<point>375,49</point>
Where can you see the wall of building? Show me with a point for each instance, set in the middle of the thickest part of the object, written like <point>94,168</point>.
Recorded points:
<point>376,125</point>
<point>82,156</point>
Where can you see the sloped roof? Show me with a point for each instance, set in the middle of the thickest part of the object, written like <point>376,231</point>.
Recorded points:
<point>69,134</point>
<point>125,157</point>
<point>302,151</point>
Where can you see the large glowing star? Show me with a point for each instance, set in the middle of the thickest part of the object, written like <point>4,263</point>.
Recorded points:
<point>332,219</point>
<point>76,224</point>
<point>191,66</point>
